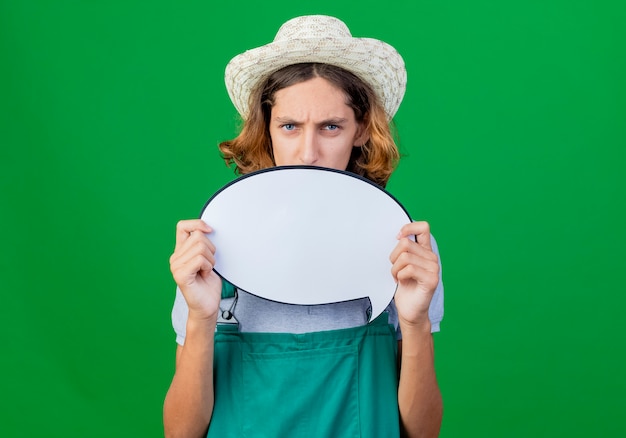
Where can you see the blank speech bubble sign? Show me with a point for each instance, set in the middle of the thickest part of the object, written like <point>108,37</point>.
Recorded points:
<point>306,235</point>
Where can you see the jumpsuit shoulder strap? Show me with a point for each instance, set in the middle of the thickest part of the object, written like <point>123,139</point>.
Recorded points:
<point>228,290</point>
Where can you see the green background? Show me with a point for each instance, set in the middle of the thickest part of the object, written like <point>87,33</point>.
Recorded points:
<point>513,130</point>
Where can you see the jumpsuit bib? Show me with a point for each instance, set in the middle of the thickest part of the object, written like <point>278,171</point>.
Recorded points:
<point>337,383</point>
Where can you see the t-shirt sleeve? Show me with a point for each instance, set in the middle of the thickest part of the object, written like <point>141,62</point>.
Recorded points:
<point>179,317</point>
<point>435,311</point>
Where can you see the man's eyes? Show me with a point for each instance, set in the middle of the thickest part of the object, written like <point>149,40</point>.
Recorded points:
<point>292,127</point>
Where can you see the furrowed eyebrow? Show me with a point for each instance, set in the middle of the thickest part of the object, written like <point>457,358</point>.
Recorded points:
<point>337,121</point>
<point>287,120</point>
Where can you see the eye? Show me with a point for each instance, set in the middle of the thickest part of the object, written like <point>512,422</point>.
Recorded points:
<point>331,127</point>
<point>288,126</point>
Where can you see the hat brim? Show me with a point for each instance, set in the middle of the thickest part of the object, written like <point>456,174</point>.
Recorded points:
<point>375,62</point>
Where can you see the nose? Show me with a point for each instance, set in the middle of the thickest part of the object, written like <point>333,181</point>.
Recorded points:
<point>309,149</point>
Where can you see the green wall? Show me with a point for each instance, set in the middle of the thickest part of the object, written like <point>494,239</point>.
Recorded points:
<point>513,127</point>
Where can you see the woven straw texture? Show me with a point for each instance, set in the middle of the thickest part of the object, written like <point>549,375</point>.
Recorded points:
<point>324,39</point>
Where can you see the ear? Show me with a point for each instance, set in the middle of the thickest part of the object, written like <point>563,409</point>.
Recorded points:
<point>362,136</point>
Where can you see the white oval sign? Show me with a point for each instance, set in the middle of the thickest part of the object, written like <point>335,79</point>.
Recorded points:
<point>306,235</point>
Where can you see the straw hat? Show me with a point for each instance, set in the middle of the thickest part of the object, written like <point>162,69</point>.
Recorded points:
<point>323,39</point>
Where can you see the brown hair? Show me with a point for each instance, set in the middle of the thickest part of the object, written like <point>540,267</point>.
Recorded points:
<point>252,149</point>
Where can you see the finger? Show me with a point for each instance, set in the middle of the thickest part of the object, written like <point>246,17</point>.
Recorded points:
<point>406,245</point>
<point>422,277</point>
<point>199,237</point>
<point>419,229</point>
<point>185,228</point>
<point>187,273</point>
<point>196,244</point>
<point>412,263</point>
